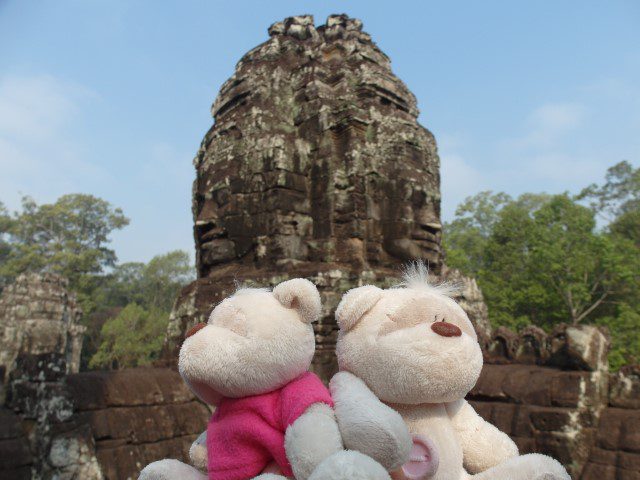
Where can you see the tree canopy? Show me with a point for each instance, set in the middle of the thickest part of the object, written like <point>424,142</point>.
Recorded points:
<point>126,306</point>
<point>69,237</point>
<point>132,338</point>
<point>543,259</point>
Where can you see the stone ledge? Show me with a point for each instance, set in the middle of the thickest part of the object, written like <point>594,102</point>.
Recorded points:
<point>127,388</point>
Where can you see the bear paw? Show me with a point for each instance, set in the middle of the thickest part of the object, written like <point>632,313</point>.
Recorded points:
<point>349,465</point>
<point>170,469</point>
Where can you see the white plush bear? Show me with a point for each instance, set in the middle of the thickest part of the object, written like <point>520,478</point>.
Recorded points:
<point>273,418</point>
<point>414,348</point>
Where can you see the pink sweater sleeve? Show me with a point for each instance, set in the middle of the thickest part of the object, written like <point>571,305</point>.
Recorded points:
<point>299,395</point>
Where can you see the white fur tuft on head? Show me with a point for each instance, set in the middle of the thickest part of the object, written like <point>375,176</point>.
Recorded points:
<point>301,295</point>
<point>355,303</point>
<point>415,275</point>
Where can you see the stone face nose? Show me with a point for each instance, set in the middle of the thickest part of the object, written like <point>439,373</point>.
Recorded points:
<point>446,329</point>
<point>195,329</point>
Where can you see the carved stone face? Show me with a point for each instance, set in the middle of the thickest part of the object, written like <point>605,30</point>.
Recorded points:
<point>410,345</point>
<point>255,341</point>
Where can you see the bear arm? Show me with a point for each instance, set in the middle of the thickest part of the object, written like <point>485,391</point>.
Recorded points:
<point>198,452</point>
<point>483,445</point>
<point>170,468</point>
<point>311,438</point>
<point>367,425</point>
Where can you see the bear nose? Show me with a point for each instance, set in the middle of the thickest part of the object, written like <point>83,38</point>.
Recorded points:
<point>446,329</point>
<point>195,329</point>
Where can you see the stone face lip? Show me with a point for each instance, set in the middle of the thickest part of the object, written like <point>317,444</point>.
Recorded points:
<point>315,166</point>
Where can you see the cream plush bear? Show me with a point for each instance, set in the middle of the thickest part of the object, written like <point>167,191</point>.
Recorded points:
<point>273,418</point>
<point>414,348</point>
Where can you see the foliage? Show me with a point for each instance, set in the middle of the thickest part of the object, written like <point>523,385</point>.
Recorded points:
<point>153,287</point>
<point>71,237</point>
<point>468,234</point>
<point>625,335</point>
<point>68,237</point>
<point>618,200</point>
<point>542,259</point>
<point>620,193</point>
<point>132,338</point>
<point>5,246</point>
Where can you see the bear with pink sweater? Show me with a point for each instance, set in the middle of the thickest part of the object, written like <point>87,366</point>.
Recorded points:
<point>273,418</point>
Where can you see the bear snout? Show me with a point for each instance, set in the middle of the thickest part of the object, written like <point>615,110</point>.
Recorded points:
<point>195,329</point>
<point>446,329</point>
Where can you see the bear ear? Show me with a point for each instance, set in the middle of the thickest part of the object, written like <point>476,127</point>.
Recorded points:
<point>355,303</point>
<point>302,295</point>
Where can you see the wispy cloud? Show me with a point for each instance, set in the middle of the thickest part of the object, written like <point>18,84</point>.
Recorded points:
<point>459,177</point>
<point>554,152</point>
<point>547,124</point>
<point>39,155</point>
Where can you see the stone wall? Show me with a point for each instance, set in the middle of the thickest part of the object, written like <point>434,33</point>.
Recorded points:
<point>39,330</point>
<point>56,423</point>
<point>315,167</point>
<point>553,394</point>
<point>616,453</point>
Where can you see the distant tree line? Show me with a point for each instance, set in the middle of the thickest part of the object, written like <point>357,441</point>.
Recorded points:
<point>540,259</point>
<point>543,259</point>
<point>126,305</point>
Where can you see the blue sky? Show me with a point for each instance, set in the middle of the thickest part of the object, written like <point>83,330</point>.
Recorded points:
<point>112,97</point>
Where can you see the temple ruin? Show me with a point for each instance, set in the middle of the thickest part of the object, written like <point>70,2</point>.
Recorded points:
<point>315,166</point>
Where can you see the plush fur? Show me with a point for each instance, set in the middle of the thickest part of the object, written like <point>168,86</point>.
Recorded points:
<point>367,425</point>
<point>312,438</point>
<point>253,343</point>
<point>388,339</point>
<point>170,469</point>
<point>198,452</point>
<point>260,343</point>
<point>349,465</point>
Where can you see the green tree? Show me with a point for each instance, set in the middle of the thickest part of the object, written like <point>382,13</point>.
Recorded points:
<point>68,237</point>
<point>585,268</point>
<point>153,287</point>
<point>623,326</point>
<point>619,194</point>
<point>618,200</point>
<point>544,261</point>
<point>466,236</point>
<point>155,284</point>
<point>5,246</point>
<point>132,338</point>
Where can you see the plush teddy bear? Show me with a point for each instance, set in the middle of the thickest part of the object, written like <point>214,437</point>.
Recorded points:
<point>414,348</point>
<point>273,418</point>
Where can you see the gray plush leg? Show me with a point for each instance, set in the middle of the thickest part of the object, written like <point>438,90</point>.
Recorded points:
<point>170,469</point>
<point>349,465</point>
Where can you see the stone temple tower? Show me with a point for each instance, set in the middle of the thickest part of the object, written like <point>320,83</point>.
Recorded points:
<point>315,166</point>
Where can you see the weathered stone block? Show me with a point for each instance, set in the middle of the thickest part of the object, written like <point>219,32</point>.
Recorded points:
<point>14,453</point>
<point>580,347</point>
<point>629,461</point>
<point>550,419</point>
<point>594,471</point>
<point>603,457</point>
<point>624,390</point>
<point>130,387</point>
<point>9,424</point>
